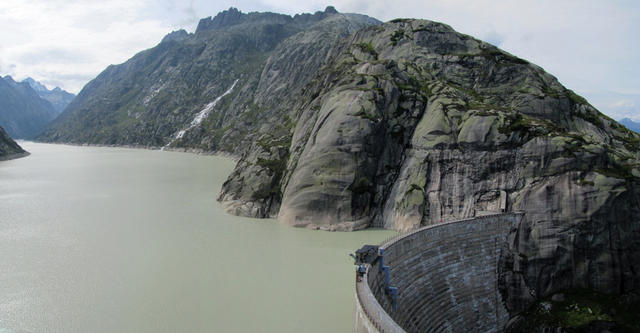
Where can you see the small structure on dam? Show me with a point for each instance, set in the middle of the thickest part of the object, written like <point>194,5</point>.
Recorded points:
<point>440,278</point>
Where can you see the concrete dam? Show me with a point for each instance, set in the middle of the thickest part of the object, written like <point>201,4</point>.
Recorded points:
<point>439,278</point>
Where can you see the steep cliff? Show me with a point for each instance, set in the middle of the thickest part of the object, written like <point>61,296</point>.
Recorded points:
<point>411,123</point>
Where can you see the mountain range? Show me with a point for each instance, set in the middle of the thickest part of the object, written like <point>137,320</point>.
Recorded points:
<point>341,122</point>
<point>187,72</point>
<point>27,107</point>
<point>58,97</point>
<point>630,124</point>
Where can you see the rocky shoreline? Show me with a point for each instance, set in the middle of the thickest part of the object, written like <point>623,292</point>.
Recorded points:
<point>14,156</point>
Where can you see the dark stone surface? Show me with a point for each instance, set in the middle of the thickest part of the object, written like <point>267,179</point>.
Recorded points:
<point>446,276</point>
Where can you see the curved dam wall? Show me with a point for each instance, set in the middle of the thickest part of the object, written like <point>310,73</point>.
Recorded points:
<point>440,278</point>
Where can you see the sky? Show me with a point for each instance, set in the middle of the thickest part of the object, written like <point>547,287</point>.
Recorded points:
<point>590,46</point>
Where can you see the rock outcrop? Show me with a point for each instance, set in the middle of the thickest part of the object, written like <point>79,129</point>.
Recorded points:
<point>9,149</point>
<point>411,123</point>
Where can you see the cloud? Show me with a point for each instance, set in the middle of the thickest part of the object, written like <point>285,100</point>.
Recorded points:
<point>63,41</point>
<point>493,38</point>
<point>624,103</point>
<point>52,55</point>
<point>617,105</point>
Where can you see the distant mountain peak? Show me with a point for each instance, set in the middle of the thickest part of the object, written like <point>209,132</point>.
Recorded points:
<point>233,16</point>
<point>23,113</point>
<point>630,124</point>
<point>177,36</point>
<point>37,86</point>
<point>58,97</point>
<point>330,10</point>
<point>9,79</point>
<point>224,19</point>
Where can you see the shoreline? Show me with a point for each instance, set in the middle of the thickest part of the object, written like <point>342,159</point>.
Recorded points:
<point>195,151</point>
<point>14,156</point>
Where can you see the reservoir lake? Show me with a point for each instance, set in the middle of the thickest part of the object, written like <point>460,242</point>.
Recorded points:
<point>128,240</point>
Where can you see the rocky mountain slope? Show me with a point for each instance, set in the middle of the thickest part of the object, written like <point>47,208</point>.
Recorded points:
<point>343,124</point>
<point>58,97</point>
<point>170,95</point>
<point>411,123</point>
<point>23,113</point>
<point>9,149</point>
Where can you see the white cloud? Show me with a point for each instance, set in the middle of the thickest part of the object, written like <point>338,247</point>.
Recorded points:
<point>617,105</point>
<point>68,42</point>
<point>590,45</point>
<point>624,103</point>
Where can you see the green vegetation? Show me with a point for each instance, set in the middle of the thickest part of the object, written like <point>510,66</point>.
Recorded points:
<point>492,52</point>
<point>519,123</point>
<point>466,91</point>
<point>528,126</point>
<point>397,36</point>
<point>582,307</point>
<point>276,166</point>
<point>495,53</point>
<point>583,182</point>
<point>575,98</point>
<point>487,106</point>
<point>631,142</point>
<point>366,115</point>
<point>593,117</point>
<point>421,28</point>
<point>616,170</point>
<point>368,48</point>
<point>268,143</point>
<point>550,92</point>
<point>426,90</point>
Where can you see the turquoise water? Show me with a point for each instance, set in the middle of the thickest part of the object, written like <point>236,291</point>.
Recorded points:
<point>124,240</point>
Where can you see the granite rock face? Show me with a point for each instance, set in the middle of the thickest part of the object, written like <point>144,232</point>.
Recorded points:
<point>411,123</point>
<point>253,189</point>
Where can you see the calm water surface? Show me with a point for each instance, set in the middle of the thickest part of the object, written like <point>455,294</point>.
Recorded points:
<point>123,240</point>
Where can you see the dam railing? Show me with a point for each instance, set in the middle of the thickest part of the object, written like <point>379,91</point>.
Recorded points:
<point>371,315</point>
<point>396,238</point>
<point>378,320</point>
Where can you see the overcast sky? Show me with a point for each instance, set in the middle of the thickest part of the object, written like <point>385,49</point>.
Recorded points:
<point>590,46</point>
